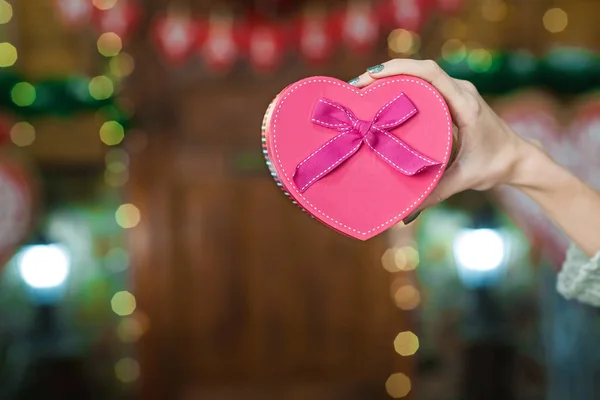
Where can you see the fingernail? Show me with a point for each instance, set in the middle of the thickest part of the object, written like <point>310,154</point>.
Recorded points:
<point>411,218</point>
<point>354,81</point>
<point>375,69</point>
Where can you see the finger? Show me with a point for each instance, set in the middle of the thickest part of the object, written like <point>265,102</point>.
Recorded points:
<point>449,185</point>
<point>429,71</point>
<point>362,80</point>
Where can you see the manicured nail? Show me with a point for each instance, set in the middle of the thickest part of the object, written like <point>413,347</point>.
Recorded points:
<point>354,81</point>
<point>411,218</point>
<point>376,69</point>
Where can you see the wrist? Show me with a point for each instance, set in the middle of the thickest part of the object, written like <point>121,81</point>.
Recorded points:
<point>532,169</point>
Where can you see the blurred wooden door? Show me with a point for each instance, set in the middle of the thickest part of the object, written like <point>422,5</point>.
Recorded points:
<point>247,296</point>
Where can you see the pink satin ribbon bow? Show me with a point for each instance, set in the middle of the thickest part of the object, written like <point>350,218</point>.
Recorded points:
<point>353,133</point>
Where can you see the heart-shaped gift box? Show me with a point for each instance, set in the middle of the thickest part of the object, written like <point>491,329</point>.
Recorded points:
<point>358,160</point>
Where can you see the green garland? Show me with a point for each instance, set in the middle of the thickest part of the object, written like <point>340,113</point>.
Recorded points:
<point>61,97</point>
<point>566,71</point>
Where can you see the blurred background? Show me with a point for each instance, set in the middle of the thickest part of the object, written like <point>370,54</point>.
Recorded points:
<point>146,253</point>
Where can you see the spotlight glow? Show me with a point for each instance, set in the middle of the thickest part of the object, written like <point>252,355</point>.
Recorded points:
<point>479,249</point>
<point>44,266</point>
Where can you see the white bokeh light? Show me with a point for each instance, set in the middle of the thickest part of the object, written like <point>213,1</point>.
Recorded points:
<point>479,249</point>
<point>44,266</point>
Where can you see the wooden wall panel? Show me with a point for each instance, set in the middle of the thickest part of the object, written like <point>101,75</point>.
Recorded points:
<point>259,294</point>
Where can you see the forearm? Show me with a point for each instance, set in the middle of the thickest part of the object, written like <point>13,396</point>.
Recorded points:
<point>571,204</point>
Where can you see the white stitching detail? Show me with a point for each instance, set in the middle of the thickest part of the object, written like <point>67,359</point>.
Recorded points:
<point>343,132</point>
<point>361,94</point>
<point>330,167</point>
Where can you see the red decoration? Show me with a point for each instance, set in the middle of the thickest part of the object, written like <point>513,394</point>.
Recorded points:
<point>75,13</point>
<point>265,47</point>
<point>450,6</point>
<point>5,126</point>
<point>221,39</point>
<point>360,27</point>
<point>221,47</point>
<point>16,206</point>
<point>176,37</point>
<point>316,36</point>
<point>406,14</point>
<point>121,19</point>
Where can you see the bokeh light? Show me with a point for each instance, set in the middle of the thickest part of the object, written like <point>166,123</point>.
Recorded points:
<point>127,370</point>
<point>104,4</point>
<point>8,55</point>
<point>454,50</point>
<point>112,133</point>
<point>109,44</point>
<point>401,41</point>
<point>121,65</point>
<point>127,216</point>
<point>407,297</point>
<point>123,303</point>
<point>398,386</point>
<point>555,20</point>
<point>23,94</point>
<point>6,12</point>
<point>116,260</point>
<point>406,343</point>
<point>406,258</point>
<point>130,329</point>
<point>22,134</point>
<point>388,261</point>
<point>479,60</point>
<point>101,87</point>
<point>116,156</point>
<point>494,10</point>
<point>116,179</point>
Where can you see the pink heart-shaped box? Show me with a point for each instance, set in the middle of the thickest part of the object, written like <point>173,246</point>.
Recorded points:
<point>363,196</point>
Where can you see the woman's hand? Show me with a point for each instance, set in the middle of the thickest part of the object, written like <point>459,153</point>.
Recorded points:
<point>489,152</point>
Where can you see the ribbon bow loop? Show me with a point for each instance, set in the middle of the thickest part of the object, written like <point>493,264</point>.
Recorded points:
<point>353,132</point>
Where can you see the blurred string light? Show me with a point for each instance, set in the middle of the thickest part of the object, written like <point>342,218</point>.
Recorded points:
<point>101,87</point>
<point>405,258</point>
<point>8,55</point>
<point>494,10</point>
<point>127,370</point>
<point>116,260</point>
<point>127,216</point>
<point>109,44</point>
<point>6,12</point>
<point>407,297</point>
<point>454,51</point>
<point>112,133</point>
<point>406,343</point>
<point>132,327</point>
<point>480,60</point>
<point>23,94</point>
<point>398,386</point>
<point>403,42</point>
<point>123,303</point>
<point>22,134</point>
<point>121,65</point>
<point>117,167</point>
<point>555,20</point>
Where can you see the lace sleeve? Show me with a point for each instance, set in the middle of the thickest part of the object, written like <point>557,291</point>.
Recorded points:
<point>579,278</point>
